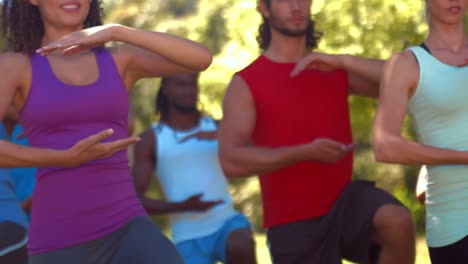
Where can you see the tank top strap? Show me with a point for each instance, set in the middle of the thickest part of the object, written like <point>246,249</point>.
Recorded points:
<point>106,64</point>
<point>40,69</point>
<point>421,54</point>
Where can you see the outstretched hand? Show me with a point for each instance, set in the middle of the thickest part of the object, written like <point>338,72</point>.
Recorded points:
<point>318,61</point>
<point>80,40</point>
<point>329,151</point>
<point>194,203</point>
<point>91,148</point>
<point>202,135</point>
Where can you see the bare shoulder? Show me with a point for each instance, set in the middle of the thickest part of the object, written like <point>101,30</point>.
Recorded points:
<point>16,69</point>
<point>237,89</point>
<point>404,67</point>
<point>14,61</point>
<point>403,61</point>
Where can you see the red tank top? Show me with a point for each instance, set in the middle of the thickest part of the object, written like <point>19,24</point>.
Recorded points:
<point>292,111</point>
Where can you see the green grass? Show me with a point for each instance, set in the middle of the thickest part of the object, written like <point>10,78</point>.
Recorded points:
<point>263,256</point>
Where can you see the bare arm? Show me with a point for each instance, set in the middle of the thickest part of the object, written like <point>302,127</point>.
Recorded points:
<point>400,77</point>
<point>145,162</point>
<point>154,54</point>
<point>12,66</point>
<point>364,73</point>
<point>88,149</point>
<point>143,54</point>
<point>240,158</point>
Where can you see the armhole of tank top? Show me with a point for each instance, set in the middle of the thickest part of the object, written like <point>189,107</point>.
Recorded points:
<point>104,57</point>
<point>417,51</point>
<point>33,79</point>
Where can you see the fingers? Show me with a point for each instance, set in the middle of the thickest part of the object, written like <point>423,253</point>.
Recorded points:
<point>65,44</point>
<point>186,138</point>
<point>74,49</point>
<point>120,144</point>
<point>463,64</point>
<point>349,147</point>
<point>207,135</point>
<point>302,65</point>
<point>197,196</point>
<point>333,150</point>
<point>95,139</point>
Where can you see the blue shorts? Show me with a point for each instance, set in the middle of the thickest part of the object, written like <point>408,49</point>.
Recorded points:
<point>212,248</point>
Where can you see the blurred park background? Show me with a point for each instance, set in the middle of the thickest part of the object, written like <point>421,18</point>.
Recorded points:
<point>371,28</point>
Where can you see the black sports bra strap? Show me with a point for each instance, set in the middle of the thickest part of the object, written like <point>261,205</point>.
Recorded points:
<point>423,45</point>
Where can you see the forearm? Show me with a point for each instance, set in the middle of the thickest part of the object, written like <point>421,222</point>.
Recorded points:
<point>154,206</point>
<point>176,49</point>
<point>16,156</point>
<point>399,150</point>
<point>249,161</point>
<point>370,69</point>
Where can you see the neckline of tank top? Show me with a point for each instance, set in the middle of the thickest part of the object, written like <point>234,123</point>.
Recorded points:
<point>93,83</point>
<point>429,53</point>
<point>289,64</point>
<point>191,130</point>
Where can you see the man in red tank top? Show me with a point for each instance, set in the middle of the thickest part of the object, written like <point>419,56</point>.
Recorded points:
<point>286,118</point>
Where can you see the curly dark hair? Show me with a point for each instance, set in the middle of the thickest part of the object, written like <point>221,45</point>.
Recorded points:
<point>162,101</point>
<point>22,25</point>
<point>264,33</point>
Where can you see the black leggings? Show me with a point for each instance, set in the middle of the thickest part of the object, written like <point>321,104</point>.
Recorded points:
<point>139,242</point>
<point>13,241</point>
<point>456,253</point>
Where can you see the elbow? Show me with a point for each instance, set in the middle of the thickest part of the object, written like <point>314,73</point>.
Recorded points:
<point>383,152</point>
<point>229,169</point>
<point>205,60</point>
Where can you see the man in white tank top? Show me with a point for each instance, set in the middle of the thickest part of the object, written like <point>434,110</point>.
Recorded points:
<point>183,150</point>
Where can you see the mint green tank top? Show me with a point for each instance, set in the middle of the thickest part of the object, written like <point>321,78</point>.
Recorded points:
<point>439,115</point>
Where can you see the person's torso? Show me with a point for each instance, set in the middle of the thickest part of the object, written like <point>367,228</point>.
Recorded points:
<point>439,115</point>
<point>292,111</point>
<point>188,168</point>
<point>74,205</point>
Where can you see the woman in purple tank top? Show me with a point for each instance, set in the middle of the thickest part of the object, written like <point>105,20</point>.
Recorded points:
<point>67,86</point>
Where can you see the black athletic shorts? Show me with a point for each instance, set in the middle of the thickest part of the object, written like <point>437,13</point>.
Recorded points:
<point>345,232</point>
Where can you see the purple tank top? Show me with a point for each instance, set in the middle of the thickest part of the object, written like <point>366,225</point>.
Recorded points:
<point>76,205</point>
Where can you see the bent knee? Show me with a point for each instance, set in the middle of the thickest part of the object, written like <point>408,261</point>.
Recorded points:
<point>394,221</point>
<point>241,243</point>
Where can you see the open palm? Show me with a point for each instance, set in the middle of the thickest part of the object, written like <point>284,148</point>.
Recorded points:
<point>80,40</point>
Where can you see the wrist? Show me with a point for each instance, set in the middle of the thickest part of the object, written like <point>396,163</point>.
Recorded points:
<point>181,206</point>
<point>64,158</point>
<point>301,153</point>
<point>118,32</point>
<point>345,61</point>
